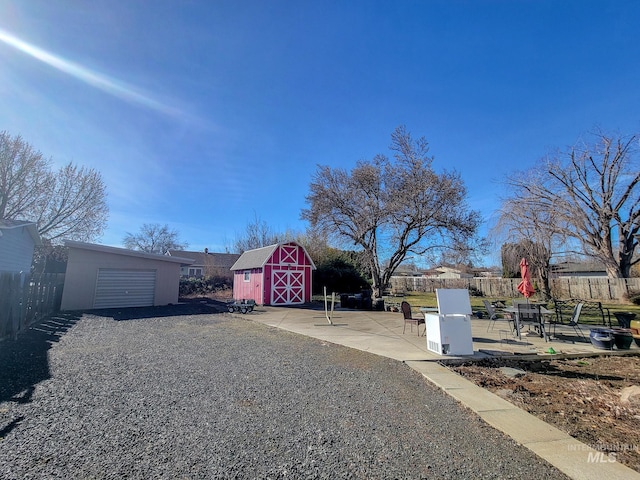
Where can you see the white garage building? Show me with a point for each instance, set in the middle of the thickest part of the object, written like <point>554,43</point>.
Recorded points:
<point>99,276</point>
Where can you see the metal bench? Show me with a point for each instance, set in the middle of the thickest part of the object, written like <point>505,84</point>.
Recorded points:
<point>590,309</point>
<point>392,303</point>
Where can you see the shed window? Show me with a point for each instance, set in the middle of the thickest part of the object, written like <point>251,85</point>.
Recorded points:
<point>247,275</point>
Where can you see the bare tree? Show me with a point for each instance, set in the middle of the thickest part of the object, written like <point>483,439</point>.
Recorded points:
<point>391,208</point>
<point>258,234</point>
<point>538,258</point>
<point>464,255</point>
<point>591,195</point>
<point>511,254</point>
<point>316,245</point>
<point>69,203</point>
<point>75,207</point>
<point>154,238</point>
<point>531,232</point>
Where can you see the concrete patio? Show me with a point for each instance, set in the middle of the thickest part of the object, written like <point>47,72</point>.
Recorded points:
<point>381,333</point>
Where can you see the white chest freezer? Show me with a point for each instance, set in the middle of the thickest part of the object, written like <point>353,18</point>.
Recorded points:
<point>449,330</point>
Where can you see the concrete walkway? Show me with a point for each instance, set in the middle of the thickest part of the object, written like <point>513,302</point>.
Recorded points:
<point>381,333</point>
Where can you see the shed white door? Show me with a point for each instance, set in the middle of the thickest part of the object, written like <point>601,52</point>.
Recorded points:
<point>287,288</point>
<point>124,288</point>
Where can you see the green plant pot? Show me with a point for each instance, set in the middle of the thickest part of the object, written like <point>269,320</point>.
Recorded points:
<point>623,338</point>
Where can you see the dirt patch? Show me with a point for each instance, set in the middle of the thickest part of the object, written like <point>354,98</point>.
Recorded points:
<point>595,400</point>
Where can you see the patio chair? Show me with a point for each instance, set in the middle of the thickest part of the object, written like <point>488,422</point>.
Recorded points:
<point>573,322</point>
<point>408,318</point>
<point>564,309</point>
<point>494,316</point>
<point>530,314</point>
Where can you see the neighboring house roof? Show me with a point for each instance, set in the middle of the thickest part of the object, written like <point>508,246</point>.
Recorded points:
<point>445,269</point>
<point>489,273</point>
<point>222,260</point>
<point>258,257</point>
<point>442,271</point>
<point>455,275</point>
<point>225,260</point>
<point>407,271</point>
<point>126,251</point>
<point>579,268</point>
<point>451,272</point>
<point>32,228</point>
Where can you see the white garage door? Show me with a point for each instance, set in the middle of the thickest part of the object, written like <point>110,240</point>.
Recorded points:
<point>124,288</point>
<point>288,287</point>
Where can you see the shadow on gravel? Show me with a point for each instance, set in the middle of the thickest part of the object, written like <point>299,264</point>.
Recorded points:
<point>12,424</point>
<point>24,361</point>
<point>192,306</point>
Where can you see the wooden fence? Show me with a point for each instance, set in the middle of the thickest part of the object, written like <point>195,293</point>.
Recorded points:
<point>25,299</point>
<point>600,289</point>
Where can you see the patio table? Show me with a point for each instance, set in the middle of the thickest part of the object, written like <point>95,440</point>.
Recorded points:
<point>544,312</point>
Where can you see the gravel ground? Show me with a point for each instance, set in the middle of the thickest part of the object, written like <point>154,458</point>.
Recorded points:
<point>204,395</point>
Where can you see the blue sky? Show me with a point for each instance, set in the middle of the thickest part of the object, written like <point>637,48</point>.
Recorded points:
<point>205,114</point>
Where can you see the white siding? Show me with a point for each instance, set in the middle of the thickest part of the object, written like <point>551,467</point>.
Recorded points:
<point>16,250</point>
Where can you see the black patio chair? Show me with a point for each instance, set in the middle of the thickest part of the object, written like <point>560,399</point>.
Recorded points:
<point>530,314</point>
<point>494,316</point>
<point>573,323</point>
<point>408,318</point>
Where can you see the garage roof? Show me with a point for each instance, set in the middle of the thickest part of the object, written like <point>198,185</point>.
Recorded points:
<point>127,252</point>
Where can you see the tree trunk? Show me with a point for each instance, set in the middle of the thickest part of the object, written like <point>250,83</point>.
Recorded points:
<point>625,253</point>
<point>613,271</point>
<point>546,287</point>
<point>376,284</point>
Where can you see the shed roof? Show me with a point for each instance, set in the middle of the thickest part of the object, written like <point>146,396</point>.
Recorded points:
<point>32,228</point>
<point>254,258</point>
<point>126,251</point>
<point>257,257</point>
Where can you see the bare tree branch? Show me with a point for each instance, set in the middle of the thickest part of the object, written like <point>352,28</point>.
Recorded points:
<point>70,203</point>
<point>590,195</point>
<point>258,234</point>
<point>154,238</point>
<point>391,208</point>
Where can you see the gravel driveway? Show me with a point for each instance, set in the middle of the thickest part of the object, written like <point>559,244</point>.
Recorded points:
<point>213,396</point>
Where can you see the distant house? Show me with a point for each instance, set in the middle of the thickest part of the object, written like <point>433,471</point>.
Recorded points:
<point>448,272</point>
<point>18,239</point>
<point>408,270</point>
<point>99,276</point>
<point>491,272</point>
<point>279,274</point>
<point>206,263</point>
<point>578,269</point>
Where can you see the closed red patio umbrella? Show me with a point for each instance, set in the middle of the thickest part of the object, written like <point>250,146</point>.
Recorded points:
<point>525,287</point>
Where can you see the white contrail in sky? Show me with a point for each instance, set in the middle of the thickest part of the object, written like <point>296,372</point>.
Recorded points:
<point>102,82</point>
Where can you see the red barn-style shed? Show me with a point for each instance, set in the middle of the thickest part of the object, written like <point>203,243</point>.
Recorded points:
<point>279,274</point>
